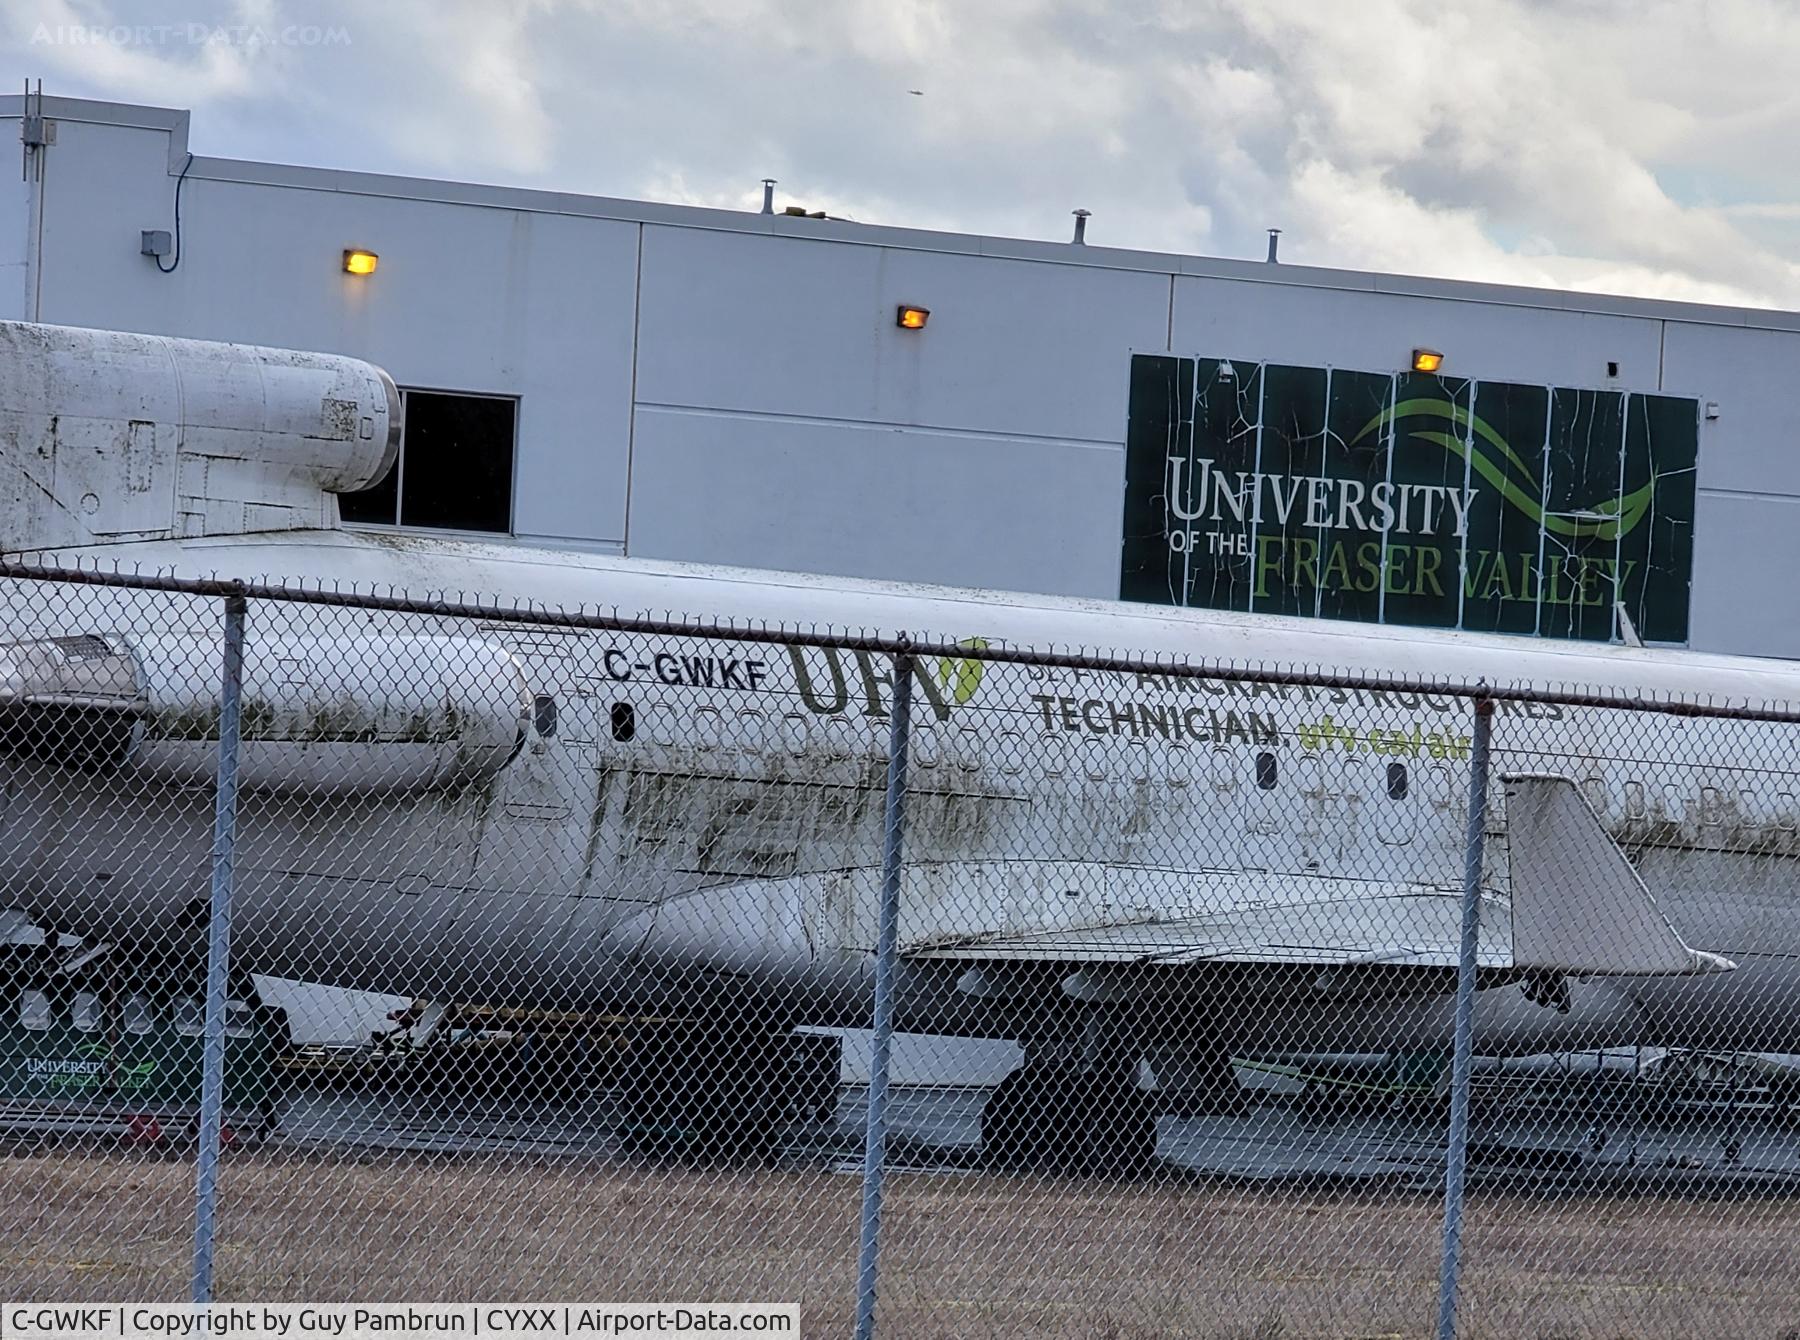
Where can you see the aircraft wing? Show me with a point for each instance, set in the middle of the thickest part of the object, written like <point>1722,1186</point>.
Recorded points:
<point>1576,908</point>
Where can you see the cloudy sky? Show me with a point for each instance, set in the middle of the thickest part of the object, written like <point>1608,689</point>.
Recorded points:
<point>1634,146</point>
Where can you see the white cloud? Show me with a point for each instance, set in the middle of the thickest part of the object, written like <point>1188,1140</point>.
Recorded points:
<point>1636,145</point>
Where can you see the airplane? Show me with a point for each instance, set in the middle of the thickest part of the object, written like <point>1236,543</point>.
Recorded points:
<point>1098,864</point>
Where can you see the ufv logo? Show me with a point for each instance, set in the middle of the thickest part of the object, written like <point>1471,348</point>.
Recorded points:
<point>1514,479</point>
<point>947,682</point>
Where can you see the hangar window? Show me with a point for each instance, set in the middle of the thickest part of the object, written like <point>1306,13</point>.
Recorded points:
<point>455,470</point>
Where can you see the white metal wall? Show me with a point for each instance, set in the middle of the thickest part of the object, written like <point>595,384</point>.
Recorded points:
<point>727,388</point>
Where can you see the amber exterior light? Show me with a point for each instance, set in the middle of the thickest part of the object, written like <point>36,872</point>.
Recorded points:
<point>912,318</point>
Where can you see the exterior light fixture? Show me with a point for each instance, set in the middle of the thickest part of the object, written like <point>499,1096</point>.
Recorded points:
<point>912,318</point>
<point>359,262</point>
<point>1427,360</point>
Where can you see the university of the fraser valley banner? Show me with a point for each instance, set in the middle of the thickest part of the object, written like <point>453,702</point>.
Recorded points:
<point>1408,498</point>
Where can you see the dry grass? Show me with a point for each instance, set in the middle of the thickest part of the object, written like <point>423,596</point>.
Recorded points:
<point>964,1257</point>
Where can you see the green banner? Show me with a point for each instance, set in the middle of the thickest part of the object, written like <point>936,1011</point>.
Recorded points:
<point>1408,498</point>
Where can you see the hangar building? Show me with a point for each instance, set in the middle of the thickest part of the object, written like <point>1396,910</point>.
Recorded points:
<point>738,388</point>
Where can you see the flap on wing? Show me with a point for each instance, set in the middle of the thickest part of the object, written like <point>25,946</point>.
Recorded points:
<point>1579,907</point>
<point>1345,922</point>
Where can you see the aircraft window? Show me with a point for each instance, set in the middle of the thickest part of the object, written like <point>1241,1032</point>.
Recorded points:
<point>624,722</point>
<point>86,1012</point>
<point>925,749</point>
<point>1095,760</point>
<point>190,1017</point>
<point>239,1022</point>
<point>1265,771</point>
<point>1396,781</point>
<point>1139,765</point>
<point>140,1015</point>
<point>1176,763</point>
<point>1010,752</point>
<point>34,1010</point>
<point>543,715</point>
<point>970,748</point>
<point>794,728</point>
<point>709,728</point>
<point>455,468</point>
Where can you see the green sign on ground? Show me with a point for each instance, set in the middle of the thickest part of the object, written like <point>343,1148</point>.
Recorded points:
<point>1408,498</point>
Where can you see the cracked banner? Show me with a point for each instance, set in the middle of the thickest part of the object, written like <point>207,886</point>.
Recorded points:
<point>1408,498</point>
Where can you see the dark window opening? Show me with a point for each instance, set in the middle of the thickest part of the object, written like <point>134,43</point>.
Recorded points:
<point>624,722</point>
<point>1265,771</point>
<point>455,469</point>
<point>1396,781</point>
<point>377,506</point>
<point>543,715</point>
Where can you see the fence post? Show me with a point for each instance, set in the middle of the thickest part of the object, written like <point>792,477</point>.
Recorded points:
<point>218,954</point>
<point>887,941</point>
<point>1457,1144</point>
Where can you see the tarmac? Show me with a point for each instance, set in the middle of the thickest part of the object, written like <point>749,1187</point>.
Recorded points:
<point>937,1129</point>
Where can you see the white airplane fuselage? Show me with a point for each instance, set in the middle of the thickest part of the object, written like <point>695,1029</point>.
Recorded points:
<point>489,809</point>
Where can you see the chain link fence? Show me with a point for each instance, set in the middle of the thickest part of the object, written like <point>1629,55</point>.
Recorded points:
<point>384,949</point>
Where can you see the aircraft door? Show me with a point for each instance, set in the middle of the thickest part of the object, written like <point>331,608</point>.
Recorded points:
<point>1330,796</point>
<point>1223,816</point>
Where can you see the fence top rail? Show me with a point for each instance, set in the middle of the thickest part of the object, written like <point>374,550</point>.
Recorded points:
<point>923,645</point>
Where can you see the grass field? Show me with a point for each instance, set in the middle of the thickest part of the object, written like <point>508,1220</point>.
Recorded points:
<point>964,1256</point>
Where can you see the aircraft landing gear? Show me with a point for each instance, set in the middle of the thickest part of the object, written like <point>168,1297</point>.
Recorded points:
<point>706,1090</point>
<point>1075,1105</point>
<point>1058,1118</point>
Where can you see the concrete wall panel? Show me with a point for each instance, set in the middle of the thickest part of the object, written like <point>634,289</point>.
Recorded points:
<point>1746,551</point>
<point>1754,444</point>
<point>771,325</point>
<point>867,501</point>
<point>1373,331</point>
